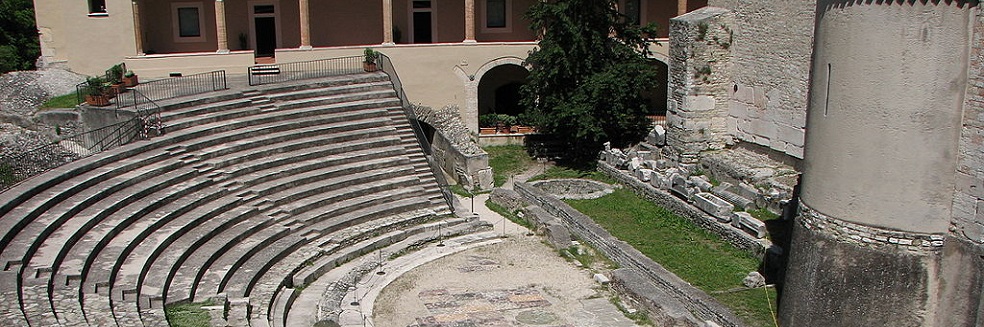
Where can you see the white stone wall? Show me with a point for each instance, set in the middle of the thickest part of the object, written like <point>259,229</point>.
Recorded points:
<point>772,46</point>
<point>700,67</point>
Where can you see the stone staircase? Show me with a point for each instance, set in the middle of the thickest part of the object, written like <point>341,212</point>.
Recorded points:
<point>247,196</point>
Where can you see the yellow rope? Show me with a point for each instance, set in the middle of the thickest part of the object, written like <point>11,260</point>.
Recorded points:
<point>769,302</point>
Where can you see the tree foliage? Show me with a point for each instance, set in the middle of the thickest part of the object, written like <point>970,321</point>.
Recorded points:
<point>588,75</point>
<point>19,46</point>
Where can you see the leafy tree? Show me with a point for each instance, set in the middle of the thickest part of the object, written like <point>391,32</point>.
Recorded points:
<point>19,46</point>
<point>588,75</point>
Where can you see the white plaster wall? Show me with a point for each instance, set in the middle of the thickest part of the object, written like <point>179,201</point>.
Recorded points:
<point>881,143</point>
<point>86,44</point>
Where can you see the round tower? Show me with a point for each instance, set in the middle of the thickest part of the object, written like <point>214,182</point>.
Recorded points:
<point>886,99</point>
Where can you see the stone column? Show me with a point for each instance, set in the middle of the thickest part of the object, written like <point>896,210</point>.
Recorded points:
<point>681,7</point>
<point>220,27</point>
<point>137,29</point>
<point>305,24</point>
<point>871,245</point>
<point>388,22</point>
<point>469,21</point>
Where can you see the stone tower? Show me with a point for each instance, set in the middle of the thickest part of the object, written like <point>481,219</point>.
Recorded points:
<point>885,236</point>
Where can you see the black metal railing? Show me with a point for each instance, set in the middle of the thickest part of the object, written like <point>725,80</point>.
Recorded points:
<point>146,124</point>
<point>174,87</point>
<point>386,65</point>
<point>52,155</point>
<point>81,89</point>
<point>167,88</point>
<point>291,71</point>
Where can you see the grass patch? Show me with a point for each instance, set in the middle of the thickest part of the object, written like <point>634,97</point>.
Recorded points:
<point>508,160</point>
<point>696,255</point>
<point>508,214</point>
<point>188,314</point>
<point>763,214</point>
<point>560,172</point>
<point>62,101</point>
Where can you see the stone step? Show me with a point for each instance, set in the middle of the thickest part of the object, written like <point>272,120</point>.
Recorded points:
<point>242,281</point>
<point>329,91</point>
<point>388,97</point>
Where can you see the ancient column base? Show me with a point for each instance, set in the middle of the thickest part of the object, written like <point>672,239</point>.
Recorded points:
<point>845,274</point>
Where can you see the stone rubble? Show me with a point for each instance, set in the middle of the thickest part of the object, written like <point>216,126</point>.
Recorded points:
<point>710,184</point>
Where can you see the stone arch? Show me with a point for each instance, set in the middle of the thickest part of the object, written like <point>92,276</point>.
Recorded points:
<point>471,82</point>
<point>498,90</point>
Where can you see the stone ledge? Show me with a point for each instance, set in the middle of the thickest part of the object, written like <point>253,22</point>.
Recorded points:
<point>862,235</point>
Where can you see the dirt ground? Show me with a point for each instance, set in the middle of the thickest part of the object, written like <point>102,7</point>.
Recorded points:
<point>518,282</point>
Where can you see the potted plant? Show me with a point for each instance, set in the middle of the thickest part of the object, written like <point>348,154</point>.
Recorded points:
<point>504,123</point>
<point>130,79</point>
<point>95,91</point>
<point>115,76</point>
<point>486,124</point>
<point>369,64</point>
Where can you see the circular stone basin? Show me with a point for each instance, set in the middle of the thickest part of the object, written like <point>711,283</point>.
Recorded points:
<point>574,189</point>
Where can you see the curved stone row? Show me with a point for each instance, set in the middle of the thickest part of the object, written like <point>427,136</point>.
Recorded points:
<point>243,194</point>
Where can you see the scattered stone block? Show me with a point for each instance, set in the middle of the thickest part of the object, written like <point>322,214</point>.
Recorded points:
<point>736,218</point>
<point>660,181</point>
<point>754,280</point>
<point>635,164</point>
<point>602,279</point>
<point>657,136</point>
<point>702,183</point>
<point>714,206</point>
<point>734,198</point>
<point>651,164</point>
<point>678,185</point>
<point>746,222</point>
<point>644,155</point>
<point>644,174</point>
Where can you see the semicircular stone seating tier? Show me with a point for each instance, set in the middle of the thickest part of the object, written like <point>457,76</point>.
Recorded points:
<point>241,196</point>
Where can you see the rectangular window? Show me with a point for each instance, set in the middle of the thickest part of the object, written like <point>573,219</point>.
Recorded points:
<point>495,12</point>
<point>188,25</point>
<point>187,20</point>
<point>422,4</point>
<point>97,6</point>
<point>264,9</point>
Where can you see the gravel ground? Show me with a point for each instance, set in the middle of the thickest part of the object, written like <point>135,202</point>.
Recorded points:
<point>514,283</point>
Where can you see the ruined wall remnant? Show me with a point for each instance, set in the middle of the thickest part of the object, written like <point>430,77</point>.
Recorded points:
<point>700,67</point>
<point>772,46</point>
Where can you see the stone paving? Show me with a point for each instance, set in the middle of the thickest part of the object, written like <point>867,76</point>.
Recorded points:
<point>517,282</point>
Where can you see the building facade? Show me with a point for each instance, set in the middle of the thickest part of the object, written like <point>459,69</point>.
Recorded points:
<point>443,49</point>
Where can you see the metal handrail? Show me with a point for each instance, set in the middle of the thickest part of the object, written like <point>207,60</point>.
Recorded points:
<point>292,71</point>
<point>174,87</point>
<point>386,65</point>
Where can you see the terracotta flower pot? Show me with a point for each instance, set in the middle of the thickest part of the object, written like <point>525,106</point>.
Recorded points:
<point>130,81</point>
<point>97,100</point>
<point>486,130</point>
<point>369,67</point>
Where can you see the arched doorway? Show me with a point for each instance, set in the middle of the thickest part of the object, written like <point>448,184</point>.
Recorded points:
<point>657,97</point>
<point>499,91</point>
